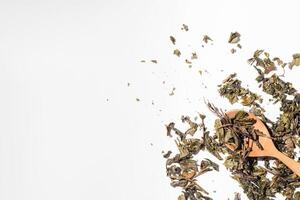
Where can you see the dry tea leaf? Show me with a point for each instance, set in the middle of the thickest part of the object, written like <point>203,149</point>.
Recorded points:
<point>295,61</point>
<point>234,38</point>
<point>167,155</point>
<point>177,52</point>
<point>154,61</point>
<point>232,50</point>
<point>173,40</point>
<point>172,92</point>
<point>170,127</point>
<point>187,61</point>
<point>181,197</point>
<point>194,56</point>
<point>239,46</point>
<point>237,196</point>
<point>206,38</point>
<point>137,99</point>
<point>261,59</point>
<point>207,163</point>
<point>185,27</point>
<point>182,169</point>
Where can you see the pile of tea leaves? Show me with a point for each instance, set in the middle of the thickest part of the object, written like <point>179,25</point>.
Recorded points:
<point>285,133</point>
<point>183,169</point>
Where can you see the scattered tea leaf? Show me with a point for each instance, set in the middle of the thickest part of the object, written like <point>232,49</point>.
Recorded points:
<point>206,38</point>
<point>295,61</point>
<point>167,155</point>
<point>234,38</point>
<point>172,92</point>
<point>184,27</point>
<point>173,40</point>
<point>187,61</point>
<point>194,56</point>
<point>177,52</point>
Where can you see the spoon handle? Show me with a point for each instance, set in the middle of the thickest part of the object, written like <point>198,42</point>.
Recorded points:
<point>290,163</point>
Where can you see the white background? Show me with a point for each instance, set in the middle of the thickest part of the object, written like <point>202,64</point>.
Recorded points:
<point>60,138</point>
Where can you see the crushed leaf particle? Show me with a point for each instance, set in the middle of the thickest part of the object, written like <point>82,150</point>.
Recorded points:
<point>295,61</point>
<point>234,38</point>
<point>167,155</point>
<point>184,27</point>
<point>194,56</point>
<point>173,40</point>
<point>172,92</point>
<point>206,38</point>
<point>177,52</point>
<point>187,61</point>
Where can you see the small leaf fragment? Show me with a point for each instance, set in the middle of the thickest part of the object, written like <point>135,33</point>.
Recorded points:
<point>234,38</point>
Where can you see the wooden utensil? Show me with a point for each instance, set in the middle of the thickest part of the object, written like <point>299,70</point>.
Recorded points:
<point>269,148</point>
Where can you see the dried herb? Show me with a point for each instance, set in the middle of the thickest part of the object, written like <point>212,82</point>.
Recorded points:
<point>261,59</point>
<point>173,40</point>
<point>232,89</point>
<point>187,61</point>
<point>234,131</point>
<point>167,155</point>
<point>295,61</point>
<point>206,38</point>
<point>234,38</point>
<point>194,56</point>
<point>184,27</point>
<point>237,196</point>
<point>177,52</point>
<point>172,92</point>
<point>284,132</point>
<point>182,168</point>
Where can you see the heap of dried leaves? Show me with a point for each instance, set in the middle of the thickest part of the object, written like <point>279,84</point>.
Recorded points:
<point>285,133</point>
<point>183,169</point>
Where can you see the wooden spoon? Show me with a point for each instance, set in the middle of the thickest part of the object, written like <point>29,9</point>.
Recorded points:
<point>269,148</point>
